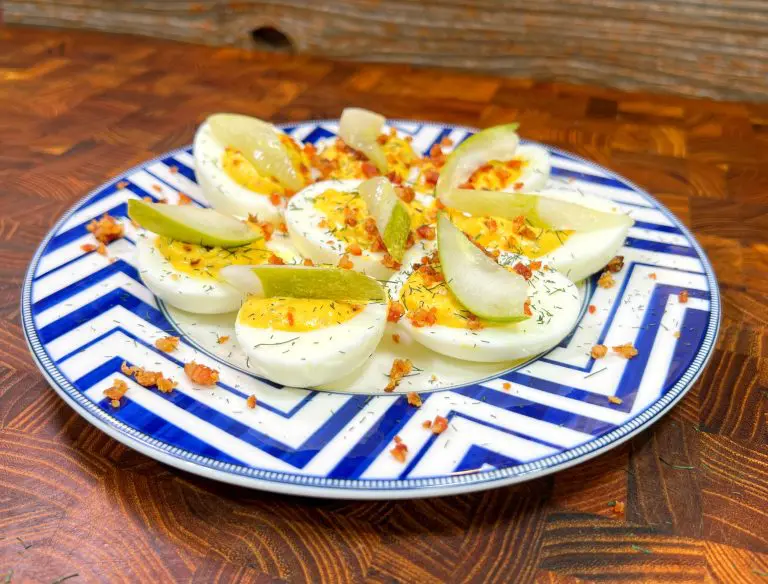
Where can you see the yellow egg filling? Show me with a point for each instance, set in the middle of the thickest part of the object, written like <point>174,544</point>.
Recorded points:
<point>347,219</point>
<point>339,161</point>
<point>496,175</point>
<point>245,174</point>
<point>295,314</point>
<point>428,302</point>
<point>205,262</point>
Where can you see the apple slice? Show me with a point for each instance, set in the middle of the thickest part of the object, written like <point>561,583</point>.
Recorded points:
<point>191,224</point>
<point>319,282</point>
<point>259,143</point>
<point>389,212</point>
<point>484,287</point>
<point>497,143</point>
<point>359,128</point>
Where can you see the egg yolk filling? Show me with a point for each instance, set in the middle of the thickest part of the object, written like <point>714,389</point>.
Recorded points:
<point>428,301</point>
<point>295,314</point>
<point>339,161</point>
<point>519,235</point>
<point>496,175</point>
<point>347,219</point>
<point>205,262</point>
<point>245,174</point>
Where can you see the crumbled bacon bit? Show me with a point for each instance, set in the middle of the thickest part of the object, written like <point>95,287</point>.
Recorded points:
<point>105,230</point>
<point>167,344</point>
<point>251,401</point>
<point>535,265</point>
<point>474,323</point>
<point>274,198</point>
<point>399,452</point>
<point>527,232</point>
<point>518,185</point>
<point>615,264</point>
<point>88,247</point>
<point>439,425</point>
<point>527,307</point>
<point>436,151</point>
<point>148,378</point>
<point>382,139</point>
<point>184,199</point>
<point>195,262</point>
<point>523,270</point>
<point>116,391</point>
<point>122,184</point>
<point>370,226</point>
<point>267,228</point>
<point>426,424</point>
<point>514,164</point>
<point>606,280</point>
<point>276,260</point>
<point>491,224</point>
<point>201,374</point>
<point>290,318</point>
<point>439,204</point>
<point>396,338</point>
<point>369,169</point>
<point>350,216</point>
<point>322,224</point>
<point>395,312</point>
<point>683,297</point>
<point>627,350</point>
<point>592,309</point>
<point>222,339</point>
<point>398,440</point>
<point>676,334</point>
<point>423,317</point>
<point>598,351</point>
<point>394,178</point>
<point>147,198</point>
<point>506,386</point>
<point>346,263</point>
<point>446,142</point>
<point>308,262</point>
<point>355,249</point>
<point>389,262</point>
<point>157,188</point>
<point>615,400</point>
<point>414,399</point>
<point>430,274</point>
<point>426,232</point>
<point>282,227</point>
<point>101,249</point>
<point>652,275</point>
<point>406,193</point>
<point>431,176</point>
<point>400,368</point>
<point>309,149</point>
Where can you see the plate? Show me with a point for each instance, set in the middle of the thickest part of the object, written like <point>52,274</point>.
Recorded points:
<point>85,313</point>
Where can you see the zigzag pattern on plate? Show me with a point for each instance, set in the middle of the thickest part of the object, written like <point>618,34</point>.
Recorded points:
<point>91,315</point>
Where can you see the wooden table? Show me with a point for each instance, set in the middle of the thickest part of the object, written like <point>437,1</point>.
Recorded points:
<point>76,108</point>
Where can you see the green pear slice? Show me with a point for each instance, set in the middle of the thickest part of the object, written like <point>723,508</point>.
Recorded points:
<point>359,128</point>
<point>324,283</point>
<point>497,143</point>
<point>259,143</point>
<point>191,224</point>
<point>484,287</point>
<point>389,212</point>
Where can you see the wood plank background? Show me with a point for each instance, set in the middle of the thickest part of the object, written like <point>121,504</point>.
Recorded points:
<point>707,48</point>
<point>76,108</point>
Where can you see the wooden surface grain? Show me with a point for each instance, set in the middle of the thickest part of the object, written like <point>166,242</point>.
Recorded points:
<point>689,47</point>
<point>76,108</point>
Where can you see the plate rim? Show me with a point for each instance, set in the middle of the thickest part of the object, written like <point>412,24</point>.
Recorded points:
<point>316,486</point>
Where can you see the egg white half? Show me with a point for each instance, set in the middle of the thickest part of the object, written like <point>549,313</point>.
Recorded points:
<point>322,247</point>
<point>185,291</point>
<point>223,193</point>
<point>310,358</point>
<point>555,304</point>
<point>586,252</point>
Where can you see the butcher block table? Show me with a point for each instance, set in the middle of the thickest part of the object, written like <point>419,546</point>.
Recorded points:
<point>686,501</point>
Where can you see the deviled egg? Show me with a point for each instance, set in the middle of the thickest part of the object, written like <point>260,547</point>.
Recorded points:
<point>248,167</point>
<point>305,326</point>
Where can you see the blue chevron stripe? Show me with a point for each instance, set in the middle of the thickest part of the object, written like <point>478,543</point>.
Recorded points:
<point>87,282</point>
<point>590,178</point>
<point>658,246</point>
<point>477,456</point>
<point>138,418</point>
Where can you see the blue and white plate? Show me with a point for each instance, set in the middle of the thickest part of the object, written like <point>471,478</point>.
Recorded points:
<point>85,313</point>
